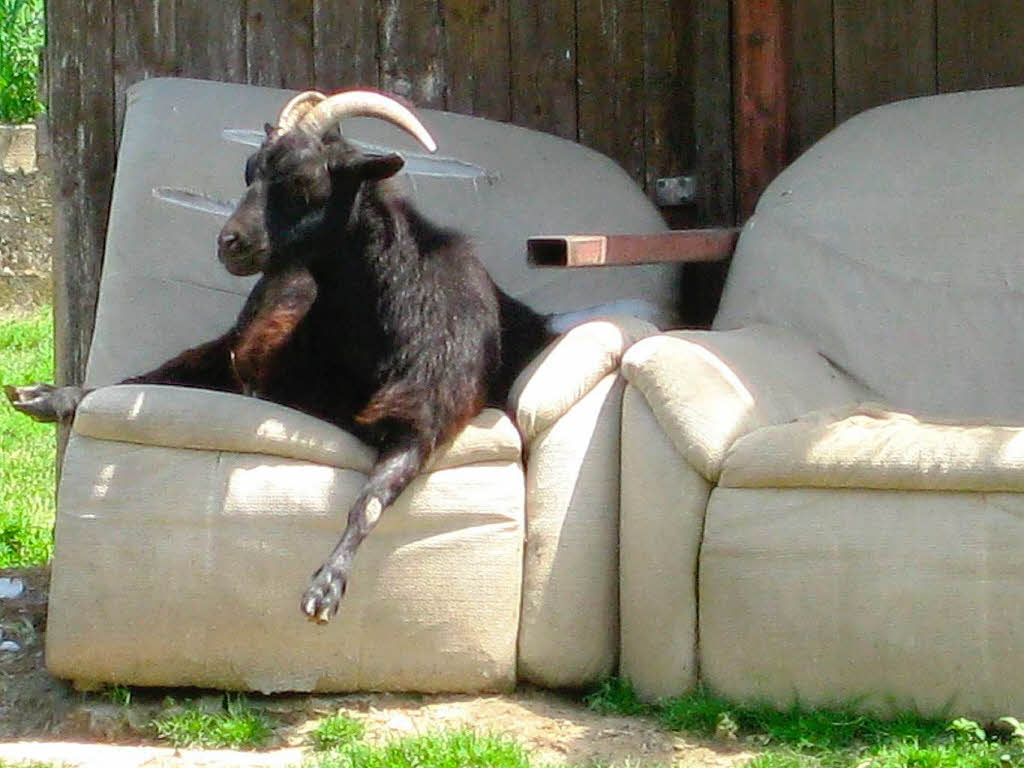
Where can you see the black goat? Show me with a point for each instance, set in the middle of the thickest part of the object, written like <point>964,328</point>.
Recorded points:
<point>366,315</point>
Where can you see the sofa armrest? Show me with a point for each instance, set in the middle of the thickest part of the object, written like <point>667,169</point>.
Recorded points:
<point>569,368</point>
<point>709,388</point>
<point>201,419</point>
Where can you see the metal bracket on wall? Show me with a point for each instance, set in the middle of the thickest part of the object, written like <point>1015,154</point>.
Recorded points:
<point>675,190</point>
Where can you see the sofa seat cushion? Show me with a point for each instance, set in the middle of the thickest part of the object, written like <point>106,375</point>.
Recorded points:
<point>183,547</point>
<point>179,417</point>
<point>867,446</point>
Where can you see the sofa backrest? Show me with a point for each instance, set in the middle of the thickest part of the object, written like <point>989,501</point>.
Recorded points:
<point>896,244</point>
<point>180,166</point>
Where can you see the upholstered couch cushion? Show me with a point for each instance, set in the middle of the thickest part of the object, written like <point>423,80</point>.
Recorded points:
<point>868,446</point>
<point>893,246</point>
<point>182,552</point>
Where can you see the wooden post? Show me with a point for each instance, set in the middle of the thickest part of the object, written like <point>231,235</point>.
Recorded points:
<point>759,98</point>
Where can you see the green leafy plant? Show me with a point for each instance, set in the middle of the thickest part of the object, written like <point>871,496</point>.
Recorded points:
<point>21,37</point>
<point>337,731</point>
<point>119,694</point>
<point>237,724</point>
<point>616,695</point>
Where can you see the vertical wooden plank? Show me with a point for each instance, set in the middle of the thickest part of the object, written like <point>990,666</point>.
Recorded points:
<point>81,119</point>
<point>609,79</point>
<point>669,39</point>
<point>543,64</point>
<point>885,51</point>
<point>345,44</point>
<point>412,47</point>
<point>210,39</point>
<point>713,112</point>
<point>477,33</point>
<point>279,43</point>
<point>811,57</point>
<point>713,165</point>
<point>144,37</point>
<point>980,45</point>
<point>759,94</point>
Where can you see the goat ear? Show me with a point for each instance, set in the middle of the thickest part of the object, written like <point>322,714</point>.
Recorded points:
<point>377,167</point>
<point>268,129</point>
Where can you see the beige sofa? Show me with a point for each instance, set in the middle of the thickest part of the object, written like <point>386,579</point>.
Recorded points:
<point>189,522</point>
<point>823,496</point>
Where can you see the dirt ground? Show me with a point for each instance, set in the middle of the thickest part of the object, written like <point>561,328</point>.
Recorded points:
<point>43,719</point>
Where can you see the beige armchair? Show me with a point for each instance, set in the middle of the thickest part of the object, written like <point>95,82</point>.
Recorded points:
<point>188,522</point>
<point>823,496</point>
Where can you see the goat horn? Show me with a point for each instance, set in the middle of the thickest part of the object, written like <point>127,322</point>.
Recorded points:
<point>297,108</point>
<point>366,104</point>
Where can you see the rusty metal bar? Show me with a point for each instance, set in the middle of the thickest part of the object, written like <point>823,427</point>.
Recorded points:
<point>679,246</point>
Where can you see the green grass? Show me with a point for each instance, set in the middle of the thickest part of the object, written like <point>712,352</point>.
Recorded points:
<point>26,448</point>
<point>237,725</point>
<point>21,37</point>
<point>337,731</point>
<point>445,749</point>
<point>824,738</point>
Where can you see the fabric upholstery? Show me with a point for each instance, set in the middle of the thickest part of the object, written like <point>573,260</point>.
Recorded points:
<point>176,566</point>
<point>893,245</point>
<point>571,367</point>
<point>567,404</point>
<point>569,630</point>
<point>661,524</point>
<point>176,417</point>
<point>707,389</point>
<point>868,446</point>
<point>886,600</point>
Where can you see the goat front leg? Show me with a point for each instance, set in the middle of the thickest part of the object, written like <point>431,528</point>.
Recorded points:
<point>393,471</point>
<point>207,366</point>
<point>276,307</point>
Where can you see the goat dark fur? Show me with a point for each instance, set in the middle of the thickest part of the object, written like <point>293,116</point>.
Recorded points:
<point>367,315</point>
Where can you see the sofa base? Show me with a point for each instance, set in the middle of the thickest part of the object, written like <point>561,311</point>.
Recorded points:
<point>178,567</point>
<point>883,600</point>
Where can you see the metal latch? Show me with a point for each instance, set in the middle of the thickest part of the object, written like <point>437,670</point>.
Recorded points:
<point>675,190</point>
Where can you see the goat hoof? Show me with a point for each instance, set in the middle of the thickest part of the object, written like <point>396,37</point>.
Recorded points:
<point>35,400</point>
<point>321,600</point>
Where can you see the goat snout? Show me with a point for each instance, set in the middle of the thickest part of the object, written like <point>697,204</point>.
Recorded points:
<point>227,243</point>
<point>236,253</point>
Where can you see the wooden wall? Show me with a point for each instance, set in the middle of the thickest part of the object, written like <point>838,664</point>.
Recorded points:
<point>646,81</point>
<point>849,55</point>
